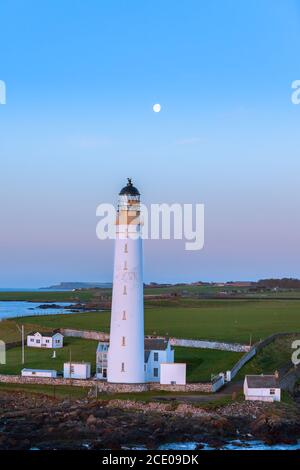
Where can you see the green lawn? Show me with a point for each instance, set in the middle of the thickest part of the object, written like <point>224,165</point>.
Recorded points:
<point>57,391</point>
<point>35,358</point>
<point>221,320</point>
<point>201,363</point>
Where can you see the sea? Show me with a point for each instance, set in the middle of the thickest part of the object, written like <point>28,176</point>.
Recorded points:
<point>237,444</point>
<point>10,309</point>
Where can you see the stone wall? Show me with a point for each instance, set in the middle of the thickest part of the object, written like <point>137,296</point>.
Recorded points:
<point>190,387</point>
<point>17,379</point>
<point>202,344</point>
<point>246,357</point>
<point>105,387</point>
<point>187,343</point>
<point>289,380</point>
<point>85,334</point>
<point>254,350</point>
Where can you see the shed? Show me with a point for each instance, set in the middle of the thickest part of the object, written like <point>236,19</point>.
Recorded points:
<point>262,388</point>
<point>77,370</point>
<point>173,373</point>
<point>39,373</point>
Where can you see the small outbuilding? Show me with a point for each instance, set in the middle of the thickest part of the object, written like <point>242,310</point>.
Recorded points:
<point>39,373</point>
<point>77,370</point>
<point>172,373</point>
<point>262,388</point>
<point>49,340</point>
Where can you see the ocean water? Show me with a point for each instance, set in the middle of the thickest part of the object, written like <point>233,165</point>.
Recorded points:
<point>9,309</point>
<point>231,445</point>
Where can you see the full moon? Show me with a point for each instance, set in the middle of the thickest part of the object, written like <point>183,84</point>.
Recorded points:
<point>156,108</point>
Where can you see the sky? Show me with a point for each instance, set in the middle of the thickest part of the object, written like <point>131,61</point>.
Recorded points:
<point>81,78</point>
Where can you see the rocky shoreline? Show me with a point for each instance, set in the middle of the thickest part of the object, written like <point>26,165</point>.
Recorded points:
<point>39,422</point>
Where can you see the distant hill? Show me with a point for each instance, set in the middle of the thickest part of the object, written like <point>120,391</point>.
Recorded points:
<point>78,285</point>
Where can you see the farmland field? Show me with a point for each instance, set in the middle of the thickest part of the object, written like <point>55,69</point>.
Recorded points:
<point>222,320</point>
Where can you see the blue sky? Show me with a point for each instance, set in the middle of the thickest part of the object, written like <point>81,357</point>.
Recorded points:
<point>81,80</point>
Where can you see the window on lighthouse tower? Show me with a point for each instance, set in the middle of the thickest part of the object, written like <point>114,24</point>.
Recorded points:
<point>123,367</point>
<point>124,291</point>
<point>126,248</point>
<point>124,315</point>
<point>125,266</point>
<point>123,341</point>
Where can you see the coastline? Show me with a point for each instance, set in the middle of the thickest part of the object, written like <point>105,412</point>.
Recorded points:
<point>36,421</point>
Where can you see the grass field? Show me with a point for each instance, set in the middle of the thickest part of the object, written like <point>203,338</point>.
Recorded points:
<point>200,363</point>
<point>221,320</point>
<point>10,333</point>
<point>35,358</point>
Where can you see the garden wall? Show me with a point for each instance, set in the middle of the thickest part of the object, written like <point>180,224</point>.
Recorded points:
<point>107,387</point>
<point>202,344</point>
<point>187,343</point>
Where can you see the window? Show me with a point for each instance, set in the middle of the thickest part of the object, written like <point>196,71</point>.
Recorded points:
<point>126,248</point>
<point>47,341</point>
<point>123,341</point>
<point>124,315</point>
<point>57,341</point>
<point>173,382</point>
<point>31,340</point>
<point>155,372</point>
<point>125,265</point>
<point>124,291</point>
<point>272,391</point>
<point>156,356</point>
<point>123,367</point>
<point>38,341</point>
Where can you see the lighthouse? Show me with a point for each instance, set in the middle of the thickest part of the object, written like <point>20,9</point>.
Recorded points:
<point>126,348</point>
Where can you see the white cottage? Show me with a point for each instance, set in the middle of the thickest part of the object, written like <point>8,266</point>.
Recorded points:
<point>50,340</point>
<point>262,388</point>
<point>157,351</point>
<point>77,370</point>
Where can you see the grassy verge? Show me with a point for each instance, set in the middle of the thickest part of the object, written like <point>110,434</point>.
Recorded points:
<point>271,358</point>
<point>57,391</point>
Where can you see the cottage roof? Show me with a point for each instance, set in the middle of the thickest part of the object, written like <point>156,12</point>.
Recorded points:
<point>49,334</point>
<point>38,370</point>
<point>156,344</point>
<point>262,381</point>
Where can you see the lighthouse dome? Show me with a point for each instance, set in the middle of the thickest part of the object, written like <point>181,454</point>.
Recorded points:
<point>129,189</point>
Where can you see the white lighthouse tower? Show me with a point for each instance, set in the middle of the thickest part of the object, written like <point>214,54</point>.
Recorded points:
<point>126,348</point>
